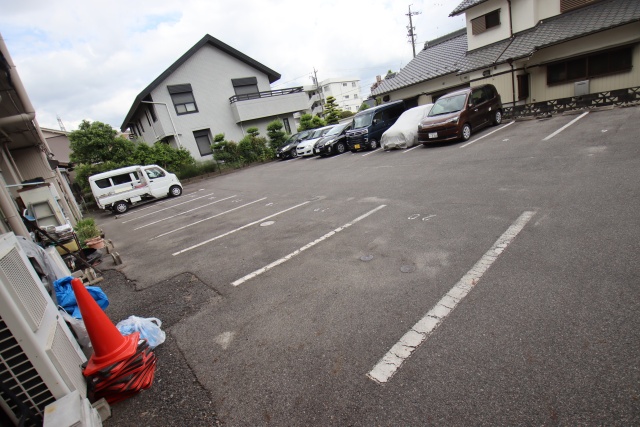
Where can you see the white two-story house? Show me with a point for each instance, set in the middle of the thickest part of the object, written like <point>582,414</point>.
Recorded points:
<point>547,54</point>
<point>212,89</point>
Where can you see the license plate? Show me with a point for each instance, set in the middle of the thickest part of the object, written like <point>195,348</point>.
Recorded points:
<point>356,146</point>
<point>433,134</point>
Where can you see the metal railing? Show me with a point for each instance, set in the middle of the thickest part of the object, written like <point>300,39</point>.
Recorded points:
<point>265,94</point>
<point>617,97</point>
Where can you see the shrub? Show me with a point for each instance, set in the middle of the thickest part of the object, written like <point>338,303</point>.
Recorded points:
<point>86,229</point>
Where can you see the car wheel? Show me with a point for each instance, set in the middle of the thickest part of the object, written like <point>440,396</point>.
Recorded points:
<point>340,148</point>
<point>294,153</point>
<point>466,132</point>
<point>497,118</point>
<point>373,144</point>
<point>121,207</point>
<point>175,191</point>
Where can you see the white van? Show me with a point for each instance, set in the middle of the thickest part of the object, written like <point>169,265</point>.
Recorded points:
<point>120,188</point>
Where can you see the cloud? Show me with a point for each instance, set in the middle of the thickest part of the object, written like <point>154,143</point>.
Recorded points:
<point>89,60</point>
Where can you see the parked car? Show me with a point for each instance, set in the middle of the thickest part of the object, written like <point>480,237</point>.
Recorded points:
<point>118,189</point>
<point>457,114</point>
<point>404,132</point>
<point>288,149</point>
<point>370,124</point>
<point>334,142</point>
<point>305,148</point>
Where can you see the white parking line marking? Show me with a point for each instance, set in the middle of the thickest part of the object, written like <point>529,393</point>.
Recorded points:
<point>183,213</point>
<point>413,148</point>
<point>371,152</point>
<point>490,133</point>
<point>304,248</point>
<point>164,209</point>
<point>238,229</point>
<point>391,362</point>
<point>155,205</point>
<point>566,126</point>
<point>207,219</point>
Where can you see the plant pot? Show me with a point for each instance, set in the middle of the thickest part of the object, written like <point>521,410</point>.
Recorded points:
<point>95,242</point>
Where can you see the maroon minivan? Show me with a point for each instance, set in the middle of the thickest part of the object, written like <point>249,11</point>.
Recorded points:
<point>457,114</point>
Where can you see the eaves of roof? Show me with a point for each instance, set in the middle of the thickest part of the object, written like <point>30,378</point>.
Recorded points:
<point>207,39</point>
<point>466,4</point>
<point>439,57</point>
<point>562,28</point>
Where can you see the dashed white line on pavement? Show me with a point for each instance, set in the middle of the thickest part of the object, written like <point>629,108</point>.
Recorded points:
<point>239,228</point>
<point>566,126</point>
<point>185,212</point>
<point>304,248</point>
<point>168,207</point>
<point>490,133</point>
<point>391,362</point>
<point>413,148</point>
<point>207,219</point>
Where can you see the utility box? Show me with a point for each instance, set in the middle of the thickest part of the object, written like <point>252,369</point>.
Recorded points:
<point>581,88</point>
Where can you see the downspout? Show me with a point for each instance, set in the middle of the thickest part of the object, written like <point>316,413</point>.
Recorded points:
<point>513,83</point>
<point>30,112</point>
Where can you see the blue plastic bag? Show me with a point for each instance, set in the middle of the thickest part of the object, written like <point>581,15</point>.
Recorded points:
<point>149,329</point>
<point>67,299</point>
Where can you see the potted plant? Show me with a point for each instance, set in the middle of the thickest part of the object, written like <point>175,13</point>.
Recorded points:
<point>89,234</point>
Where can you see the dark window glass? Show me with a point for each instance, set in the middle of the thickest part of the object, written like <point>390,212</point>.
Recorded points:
<point>184,103</point>
<point>577,69</point>
<point>556,73</point>
<point>483,23</point>
<point>287,127</point>
<point>523,86</point>
<point>492,19</point>
<point>121,179</point>
<point>203,140</point>
<point>246,90</point>
<point>103,183</point>
<point>620,60</point>
<point>152,111</point>
<point>599,64</point>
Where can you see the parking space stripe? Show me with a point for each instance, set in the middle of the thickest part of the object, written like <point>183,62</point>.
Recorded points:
<point>371,152</point>
<point>304,248</point>
<point>412,148</point>
<point>207,219</point>
<point>566,126</point>
<point>490,133</point>
<point>168,207</point>
<point>156,204</point>
<point>391,362</point>
<point>239,228</point>
<point>185,212</point>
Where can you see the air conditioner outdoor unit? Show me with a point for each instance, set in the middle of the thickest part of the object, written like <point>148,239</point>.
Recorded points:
<point>581,88</point>
<point>40,361</point>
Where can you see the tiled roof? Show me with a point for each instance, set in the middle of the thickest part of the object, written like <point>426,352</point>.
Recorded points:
<point>466,4</point>
<point>438,58</point>
<point>558,29</point>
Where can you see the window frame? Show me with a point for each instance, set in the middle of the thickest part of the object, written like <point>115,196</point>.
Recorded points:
<point>200,134</point>
<point>176,91</point>
<point>486,22</point>
<point>559,72</point>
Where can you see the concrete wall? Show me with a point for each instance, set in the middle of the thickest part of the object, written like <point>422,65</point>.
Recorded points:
<point>492,35</point>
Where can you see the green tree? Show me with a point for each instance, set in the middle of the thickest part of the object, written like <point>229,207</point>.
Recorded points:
<point>317,122</point>
<point>363,107</point>
<point>96,142</point>
<point>346,113</point>
<point>276,134</point>
<point>331,111</point>
<point>225,151</point>
<point>306,122</point>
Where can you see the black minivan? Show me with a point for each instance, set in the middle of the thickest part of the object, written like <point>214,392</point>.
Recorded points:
<point>370,124</point>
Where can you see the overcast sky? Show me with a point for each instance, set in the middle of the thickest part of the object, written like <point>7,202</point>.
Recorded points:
<point>89,59</point>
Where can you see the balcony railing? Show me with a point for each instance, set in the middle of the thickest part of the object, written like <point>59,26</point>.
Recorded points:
<point>265,94</point>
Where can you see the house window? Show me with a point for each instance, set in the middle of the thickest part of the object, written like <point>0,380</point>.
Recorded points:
<point>151,109</point>
<point>287,127</point>
<point>353,84</point>
<point>355,96</point>
<point>483,23</point>
<point>523,86</point>
<point>344,85</point>
<point>183,100</point>
<point>140,124</point>
<point>203,141</point>
<point>146,113</point>
<point>599,64</point>
<point>245,86</point>
<point>567,5</point>
<point>346,97</point>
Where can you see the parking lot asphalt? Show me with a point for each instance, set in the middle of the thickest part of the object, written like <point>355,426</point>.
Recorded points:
<point>399,287</point>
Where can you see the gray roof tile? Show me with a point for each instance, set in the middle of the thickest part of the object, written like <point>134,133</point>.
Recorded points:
<point>434,61</point>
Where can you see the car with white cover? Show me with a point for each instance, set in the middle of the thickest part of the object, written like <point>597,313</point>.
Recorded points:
<point>404,132</point>
<point>305,148</point>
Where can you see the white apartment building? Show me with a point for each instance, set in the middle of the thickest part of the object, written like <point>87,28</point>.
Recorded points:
<point>345,91</point>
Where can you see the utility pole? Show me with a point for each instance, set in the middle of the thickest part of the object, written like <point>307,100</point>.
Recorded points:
<point>318,89</point>
<point>61,124</point>
<point>412,35</point>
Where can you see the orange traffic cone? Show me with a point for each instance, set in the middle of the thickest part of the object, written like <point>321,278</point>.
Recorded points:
<point>109,345</point>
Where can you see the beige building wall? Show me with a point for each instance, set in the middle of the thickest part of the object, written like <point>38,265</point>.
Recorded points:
<point>492,35</point>
<point>536,66</point>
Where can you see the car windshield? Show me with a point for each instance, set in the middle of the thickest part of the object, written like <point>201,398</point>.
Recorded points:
<point>360,121</point>
<point>337,130</point>
<point>447,105</point>
<point>304,135</point>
